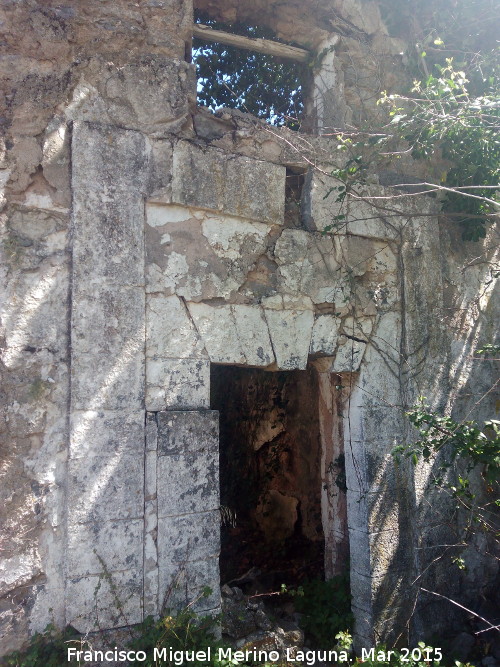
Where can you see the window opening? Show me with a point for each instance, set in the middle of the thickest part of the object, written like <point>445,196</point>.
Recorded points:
<point>270,470</point>
<point>294,185</point>
<point>269,84</point>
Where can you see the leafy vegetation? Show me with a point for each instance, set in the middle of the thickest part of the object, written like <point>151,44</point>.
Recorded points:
<point>259,84</point>
<point>469,448</point>
<point>179,632</point>
<point>326,609</point>
<point>48,648</point>
<point>443,117</point>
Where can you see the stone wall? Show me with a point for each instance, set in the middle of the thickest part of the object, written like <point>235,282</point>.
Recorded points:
<point>142,241</point>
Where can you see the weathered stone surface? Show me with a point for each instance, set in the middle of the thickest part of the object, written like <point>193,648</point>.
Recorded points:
<point>290,332</point>
<point>200,255</point>
<point>188,483</point>
<point>184,544</point>
<point>170,332</point>
<point>217,328</point>
<point>358,327</point>
<point>348,356</point>
<point>31,313</point>
<point>113,75</point>
<point>188,432</point>
<point>106,433</point>
<point>107,320</point>
<point>100,382</point>
<point>187,538</point>
<point>116,545</point>
<point>104,488</point>
<point>93,603</point>
<point>233,334</point>
<point>109,176</point>
<point>307,264</point>
<point>201,575</point>
<point>325,335</point>
<point>253,335</point>
<point>56,160</point>
<point>177,384</point>
<point>362,216</point>
<point>210,179</point>
<point>329,94</point>
<point>151,569</point>
<point>151,95</point>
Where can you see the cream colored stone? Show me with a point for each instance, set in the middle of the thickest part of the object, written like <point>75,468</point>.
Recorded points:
<point>360,327</point>
<point>170,331</point>
<point>177,383</point>
<point>348,357</point>
<point>253,335</point>
<point>325,335</point>
<point>236,185</point>
<point>217,328</point>
<point>290,332</point>
<point>92,602</point>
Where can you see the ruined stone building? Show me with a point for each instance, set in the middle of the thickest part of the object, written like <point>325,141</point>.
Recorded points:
<point>159,280</point>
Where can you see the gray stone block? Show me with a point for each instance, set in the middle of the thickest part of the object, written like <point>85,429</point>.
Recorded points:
<point>106,488</point>
<point>104,601</point>
<point>183,543</point>
<point>218,330</point>
<point>185,432</point>
<point>106,433</point>
<point>102,382</point>
<point>151,94</point>
<point>325,335</point>
<point>107,320</point>
<point>109,176</point>
<point>97,547</point>
<point>290,332</point>
<point>190,537</point>
<point>170,332</point>
<point>237,185</point>
<point>203,579</point>
<point>177,384</point>
<point>188,483</point>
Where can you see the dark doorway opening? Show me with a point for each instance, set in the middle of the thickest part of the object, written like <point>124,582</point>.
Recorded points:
<point>270,470</point>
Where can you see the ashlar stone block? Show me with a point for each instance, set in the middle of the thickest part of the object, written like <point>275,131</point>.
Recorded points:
<point>106,433</point>
<point>188,483</point>
<point>109,177</point>
<point>95,602</point>
<point>291,336</point>
<point>96,547</point>
<point>177,384</point>
<point>101,382</point>
<point>217,328</point>
<point>105,319</point>
<point>188,432</point>
<point>106,488</point>
<point>349,356</point>
<point>325,335</point>
<point>253,334</point>
<point>308,265</point>
<point>211,179</point>
<point>183,543</point>
<point>203,575</point>
<point>190,537</point>
<point>170,332</point>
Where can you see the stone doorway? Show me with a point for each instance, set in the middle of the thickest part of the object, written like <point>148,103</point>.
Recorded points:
<point>276,472</point>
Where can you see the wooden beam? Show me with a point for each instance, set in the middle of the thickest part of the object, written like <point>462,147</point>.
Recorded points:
<point>251,43</point>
